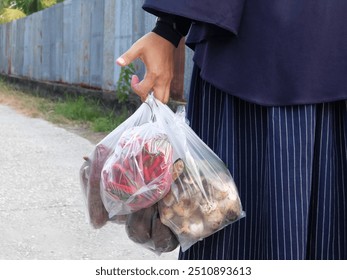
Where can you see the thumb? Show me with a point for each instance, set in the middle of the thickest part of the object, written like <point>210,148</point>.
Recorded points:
<point>127,57</point>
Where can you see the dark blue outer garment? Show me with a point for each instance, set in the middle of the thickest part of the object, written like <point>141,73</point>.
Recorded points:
<point>270,52</point>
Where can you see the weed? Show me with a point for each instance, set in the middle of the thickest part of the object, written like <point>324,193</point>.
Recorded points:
<point>78,109</point>
<point>101,119</point>
<point>123,83</point>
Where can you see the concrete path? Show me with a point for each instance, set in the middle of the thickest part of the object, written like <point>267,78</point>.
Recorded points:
<point>41,206</point>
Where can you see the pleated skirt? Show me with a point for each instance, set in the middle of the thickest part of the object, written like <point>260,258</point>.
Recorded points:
<point>290,166</point>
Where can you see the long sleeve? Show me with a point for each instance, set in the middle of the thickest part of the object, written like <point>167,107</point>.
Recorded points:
<point>172,28</point>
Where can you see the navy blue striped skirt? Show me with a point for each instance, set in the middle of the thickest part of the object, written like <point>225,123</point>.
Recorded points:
<point>290,166</point>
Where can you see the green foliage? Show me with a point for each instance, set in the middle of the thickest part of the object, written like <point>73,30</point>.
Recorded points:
<point>26,7</point>
<point>32,6</point>
<point>7,15</point>
<point>87,111</point>
<point>77,109</point>
<point>48,3</point>
<point>123,84</point>
<point>109,123</point>
<point>5,4</point>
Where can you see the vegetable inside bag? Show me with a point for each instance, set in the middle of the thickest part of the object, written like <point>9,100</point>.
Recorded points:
<point>138,172</point>
<point>144,227</point>
<point>154,162</point>
<point>203,197</point>
<point>107,194</point>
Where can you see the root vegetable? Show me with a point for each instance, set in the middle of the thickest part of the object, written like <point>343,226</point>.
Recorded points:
<point>230,208</point>
<point>185,207</point>
<point>191,228</point>
<point>167,213</point>
<point>119,219</point>
<point>197,207</point>
<point>162,237</point>
<point>214,220</point>
<point>145,227</point>
<point>169,199</point>
<point>98,216</point>
<point>177,169</point>
<point>139,225</point>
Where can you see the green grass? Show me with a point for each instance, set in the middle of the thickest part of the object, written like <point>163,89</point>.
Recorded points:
<point>104,124</point>
<point>79,111</point>
<point>84,110</point>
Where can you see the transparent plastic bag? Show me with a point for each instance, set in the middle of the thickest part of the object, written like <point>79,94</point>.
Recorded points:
<point>203,197</point>
<point>154,159</point>
<point>138,172</point>
<point>97,212</point>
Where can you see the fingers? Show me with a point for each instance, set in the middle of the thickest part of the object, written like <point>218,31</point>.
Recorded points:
<point>121,61</point>
<point>147,85</point>
<point>162,92</point>
<point>142,88</point>
<point>135,85</point>
<point>151,82</point>
<point>128,57</point>
<point>157,54</point>
<point>134,81</point>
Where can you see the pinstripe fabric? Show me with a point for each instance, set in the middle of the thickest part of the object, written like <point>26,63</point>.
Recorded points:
<point>290,165</point>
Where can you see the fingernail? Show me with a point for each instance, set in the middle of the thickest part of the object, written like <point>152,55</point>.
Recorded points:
<point>120,60</point>
<point>134,80</point>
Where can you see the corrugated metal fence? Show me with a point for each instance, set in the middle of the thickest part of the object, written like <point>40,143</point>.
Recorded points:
<point>74,42</point>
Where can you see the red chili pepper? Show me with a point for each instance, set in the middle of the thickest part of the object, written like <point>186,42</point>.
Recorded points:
<point>148,171</point>
<point>155,168</point>
<point>128,189</point>
<point>131,172</point>
<point>146,157</point>
<point>117,172</point>
<point>126,177</point>
<point>118,192</point>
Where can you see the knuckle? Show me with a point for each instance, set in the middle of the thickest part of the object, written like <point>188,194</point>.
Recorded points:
<point>151,76</point>
<point>167,76</point>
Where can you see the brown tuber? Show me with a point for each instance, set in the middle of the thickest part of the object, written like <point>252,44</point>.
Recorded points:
<point>195,208</point>
<point>90,174</point>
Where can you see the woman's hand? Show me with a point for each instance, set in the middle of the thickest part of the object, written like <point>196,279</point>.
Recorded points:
<point>158,56</point>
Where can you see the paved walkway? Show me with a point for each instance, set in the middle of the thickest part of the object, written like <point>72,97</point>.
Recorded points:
<point>41,208</point>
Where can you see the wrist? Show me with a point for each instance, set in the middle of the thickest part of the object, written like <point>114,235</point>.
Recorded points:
<point>166,28</point>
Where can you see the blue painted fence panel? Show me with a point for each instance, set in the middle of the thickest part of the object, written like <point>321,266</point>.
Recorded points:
<point>76,42</point>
